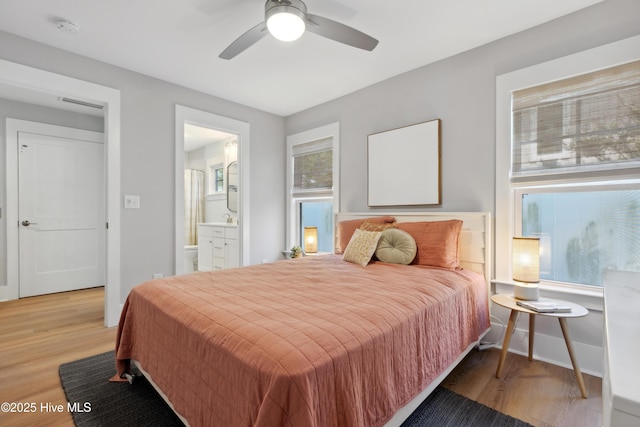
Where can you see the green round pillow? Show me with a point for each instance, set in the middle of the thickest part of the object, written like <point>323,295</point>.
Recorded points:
<point>396,247</point>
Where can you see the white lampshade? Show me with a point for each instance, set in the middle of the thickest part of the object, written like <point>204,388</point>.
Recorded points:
<point>526,259</point>
<point>311,240</point>
<point>286,26</point>
<point>526,267</point>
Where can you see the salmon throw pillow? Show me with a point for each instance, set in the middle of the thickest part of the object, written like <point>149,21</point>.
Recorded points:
<point>437,242</point>
<point>345,229</point>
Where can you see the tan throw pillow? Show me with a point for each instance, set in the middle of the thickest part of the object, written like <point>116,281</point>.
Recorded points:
<point>396,247</point>
<point>437,242</point>
<point>373,226</point>
<point>361,246</point>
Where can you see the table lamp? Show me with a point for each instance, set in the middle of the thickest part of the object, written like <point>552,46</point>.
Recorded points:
<point>526,267</point>
<point>311,240</point>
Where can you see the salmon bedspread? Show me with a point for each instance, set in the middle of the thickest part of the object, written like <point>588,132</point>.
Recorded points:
<point>307,342</point>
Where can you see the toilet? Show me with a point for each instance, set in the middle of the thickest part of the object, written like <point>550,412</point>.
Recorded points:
<point>190,259</point>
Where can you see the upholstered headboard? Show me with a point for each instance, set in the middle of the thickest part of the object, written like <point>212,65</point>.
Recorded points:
<point>475,236</point>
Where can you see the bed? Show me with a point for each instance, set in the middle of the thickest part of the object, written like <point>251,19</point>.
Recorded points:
<point>315,341</point>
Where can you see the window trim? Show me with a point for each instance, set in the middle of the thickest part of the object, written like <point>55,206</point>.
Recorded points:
<point>606,56</point>
<point>332,131</point>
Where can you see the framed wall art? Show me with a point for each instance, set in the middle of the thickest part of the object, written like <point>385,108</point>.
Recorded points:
<point>403,166</point>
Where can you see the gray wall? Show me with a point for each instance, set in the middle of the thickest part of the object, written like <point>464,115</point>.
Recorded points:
<point>461,92</point>
<point>147,157</point>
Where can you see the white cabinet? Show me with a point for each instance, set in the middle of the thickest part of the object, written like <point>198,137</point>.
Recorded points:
<point>205,248</point>
<point>218,247</point>
<point>621,379</point>
<point>232,248</point>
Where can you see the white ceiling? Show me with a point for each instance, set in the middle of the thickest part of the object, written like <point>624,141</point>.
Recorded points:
<point>179,41</point>
<point>197,136</point>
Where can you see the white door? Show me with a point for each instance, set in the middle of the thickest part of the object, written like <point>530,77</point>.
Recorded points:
<point>61,213</point>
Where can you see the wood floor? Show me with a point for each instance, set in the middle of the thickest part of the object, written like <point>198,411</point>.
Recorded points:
<point>536,392</point>
<point>38,334</point>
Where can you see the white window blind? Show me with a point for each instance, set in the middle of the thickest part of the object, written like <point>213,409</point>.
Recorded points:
<point>313,167</point>
<point>580,124</point>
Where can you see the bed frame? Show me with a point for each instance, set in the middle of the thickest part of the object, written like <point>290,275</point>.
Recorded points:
<point>475,255</point>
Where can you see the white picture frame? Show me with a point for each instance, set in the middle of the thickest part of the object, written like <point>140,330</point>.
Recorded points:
<point>403,166</point>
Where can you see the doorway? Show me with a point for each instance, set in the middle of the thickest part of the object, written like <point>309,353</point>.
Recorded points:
<point>45,82</point>
<point>209,159</point>
<point>61,208</point>
<point>238,131</point>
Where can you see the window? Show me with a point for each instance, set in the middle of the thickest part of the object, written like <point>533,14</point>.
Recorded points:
<point>218,185</point>
<point>313,167</point>
<point>572,127</point>
<point>582,231</point>
<point>318,213</point>
<point>312,174</point>
<point>584,123</point>
<point>572,162</point>
<point>216,178</point>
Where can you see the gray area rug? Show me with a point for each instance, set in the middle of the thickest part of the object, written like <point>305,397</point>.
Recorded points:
<point>139,405</point>
<point>444,408</point>
<point>112,404</point>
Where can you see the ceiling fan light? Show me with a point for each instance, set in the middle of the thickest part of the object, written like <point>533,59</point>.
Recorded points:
<point>286,26</point>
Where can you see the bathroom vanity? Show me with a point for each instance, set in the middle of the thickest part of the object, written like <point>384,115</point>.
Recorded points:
<point>218,246</point>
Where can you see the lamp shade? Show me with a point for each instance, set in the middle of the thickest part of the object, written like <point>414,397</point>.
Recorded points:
<point>311,240</point>
<point>526,259</point>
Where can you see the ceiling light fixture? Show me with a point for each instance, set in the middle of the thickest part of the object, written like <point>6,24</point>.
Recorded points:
<point>286,19</point>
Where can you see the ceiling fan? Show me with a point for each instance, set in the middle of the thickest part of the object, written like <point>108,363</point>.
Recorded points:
<point>287,19</point>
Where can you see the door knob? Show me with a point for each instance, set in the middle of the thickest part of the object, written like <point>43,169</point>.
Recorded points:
<point>26,223</point>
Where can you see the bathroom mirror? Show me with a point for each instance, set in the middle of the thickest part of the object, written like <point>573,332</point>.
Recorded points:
<point>232,187</point>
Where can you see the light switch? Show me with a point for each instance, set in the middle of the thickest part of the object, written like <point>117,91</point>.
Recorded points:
<point>131,202</point>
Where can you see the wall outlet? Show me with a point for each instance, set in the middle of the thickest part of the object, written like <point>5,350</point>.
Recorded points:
<point>264,261</point>
<point>131,202</point>
<point>157,276</point>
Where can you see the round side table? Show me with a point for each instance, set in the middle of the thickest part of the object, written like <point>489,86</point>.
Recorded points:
<point>510,302</point>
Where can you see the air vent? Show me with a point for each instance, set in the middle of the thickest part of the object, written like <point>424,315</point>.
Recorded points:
<point>83,103</point>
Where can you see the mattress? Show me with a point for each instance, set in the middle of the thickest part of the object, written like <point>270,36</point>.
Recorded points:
<point>310,342</point>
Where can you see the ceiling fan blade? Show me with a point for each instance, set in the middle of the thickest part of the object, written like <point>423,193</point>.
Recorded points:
<point>245,41</point>
<point>333,30</point>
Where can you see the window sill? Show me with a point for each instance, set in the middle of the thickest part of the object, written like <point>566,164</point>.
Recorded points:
<point>588,296</point>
